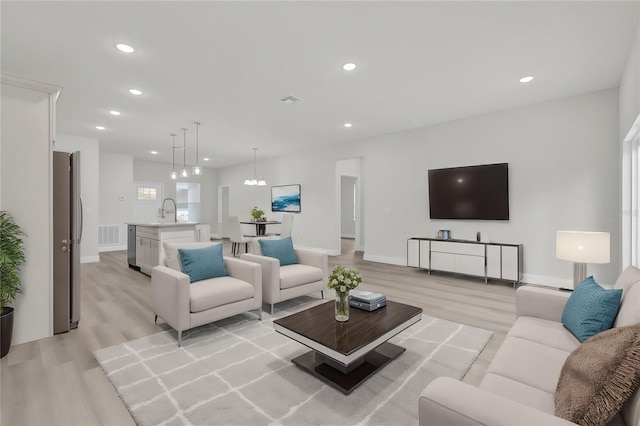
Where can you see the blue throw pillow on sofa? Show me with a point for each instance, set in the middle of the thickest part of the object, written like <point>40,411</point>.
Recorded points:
<point>280,249</point>
<point>591,309</point>
<point>204,263</point>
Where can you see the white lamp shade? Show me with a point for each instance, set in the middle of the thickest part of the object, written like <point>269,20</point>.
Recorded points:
<point>583,247</point>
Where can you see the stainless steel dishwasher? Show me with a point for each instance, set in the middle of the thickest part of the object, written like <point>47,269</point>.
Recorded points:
<point>131,247</point>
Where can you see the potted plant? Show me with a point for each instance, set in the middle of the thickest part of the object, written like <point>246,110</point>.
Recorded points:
<point>11,258</point>
<point>256,213</point>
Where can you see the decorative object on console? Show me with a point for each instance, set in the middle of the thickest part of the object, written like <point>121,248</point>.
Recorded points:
<point>582,248</point>
<point>444,234</point>
<point>343,279</point>
<point>255,180</point>
<point>285,198</point>
<point>591,309</point>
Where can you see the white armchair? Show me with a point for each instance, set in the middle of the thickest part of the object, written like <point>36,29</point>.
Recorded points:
<point>185,305</point>
<point>280,283</point>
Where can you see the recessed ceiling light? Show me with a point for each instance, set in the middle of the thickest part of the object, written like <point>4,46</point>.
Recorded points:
<point>113,112</point>
<point>350,66</point>
<point>526,79</point>
<point>135,92</point>
<point>206,158</point>
<point>100,127</point>
<point>125,48</point>
<point>347,125</point>
<point>154,152</point>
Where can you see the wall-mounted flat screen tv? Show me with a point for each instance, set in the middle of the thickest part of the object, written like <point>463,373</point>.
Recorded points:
<point>473,192</point>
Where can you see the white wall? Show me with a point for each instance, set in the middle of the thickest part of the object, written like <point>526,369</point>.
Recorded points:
<point>25,143</point>
<point>317,225</point>
<point>145,171</point>
<point>347,206</point>
<point>89,189</point>
<point>563,160</point>
<point>629,112</point>
<point>118,173</point>
<point>116,192</point>
<point>630,88</point>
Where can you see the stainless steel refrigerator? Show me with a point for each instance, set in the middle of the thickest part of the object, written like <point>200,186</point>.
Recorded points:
<point>67,234</point>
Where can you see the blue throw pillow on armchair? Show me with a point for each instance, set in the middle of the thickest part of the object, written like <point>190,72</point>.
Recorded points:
<point>591,309</point>
<point>204,263</point>
<point>280,249</point>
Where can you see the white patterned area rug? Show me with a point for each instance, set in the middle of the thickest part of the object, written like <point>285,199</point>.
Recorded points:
<point>239,371</point>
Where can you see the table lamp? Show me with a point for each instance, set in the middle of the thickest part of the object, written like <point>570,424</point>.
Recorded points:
<point>582,248</point>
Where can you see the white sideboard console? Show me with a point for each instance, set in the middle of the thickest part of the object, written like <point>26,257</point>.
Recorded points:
<point>487,260</point>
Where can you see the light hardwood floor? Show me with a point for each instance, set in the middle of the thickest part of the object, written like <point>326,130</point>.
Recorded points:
<point>57,381</point>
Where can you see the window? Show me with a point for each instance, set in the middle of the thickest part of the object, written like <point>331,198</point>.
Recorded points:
<point>631,197</point>
<point>150,194</point>
<point>188,202</point>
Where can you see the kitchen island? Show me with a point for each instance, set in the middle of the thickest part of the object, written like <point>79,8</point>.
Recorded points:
<point>149,237</point>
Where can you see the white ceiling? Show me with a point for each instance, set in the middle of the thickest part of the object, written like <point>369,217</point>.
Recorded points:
<point>227,64</point>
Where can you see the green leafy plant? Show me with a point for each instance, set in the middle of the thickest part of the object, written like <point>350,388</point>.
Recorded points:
<point>11,258</point>
<point>256,213</point>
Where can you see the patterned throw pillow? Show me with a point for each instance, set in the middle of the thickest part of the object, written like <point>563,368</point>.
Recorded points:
<point>590,309</point>
<point>599,376</point>
<point>204,263</point>
<point>280,249</point>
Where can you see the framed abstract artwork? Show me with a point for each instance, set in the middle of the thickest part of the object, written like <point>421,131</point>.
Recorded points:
<point>285,198</point>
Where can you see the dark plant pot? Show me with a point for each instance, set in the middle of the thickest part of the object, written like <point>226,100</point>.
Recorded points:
<point>6,330</point>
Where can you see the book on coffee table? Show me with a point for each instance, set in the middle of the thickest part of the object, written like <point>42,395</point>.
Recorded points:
<point>367,296</point>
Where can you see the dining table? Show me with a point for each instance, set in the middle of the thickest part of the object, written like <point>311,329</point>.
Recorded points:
<point>261,227</point>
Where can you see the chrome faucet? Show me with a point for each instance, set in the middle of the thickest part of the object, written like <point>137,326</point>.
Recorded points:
<point>175,209</point>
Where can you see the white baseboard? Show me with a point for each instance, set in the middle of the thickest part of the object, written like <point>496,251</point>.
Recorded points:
<point>90,259</point>
<point>527,278</point>
<point>385,259</point>
<point>547,281</point>
<point>329,252</point>
<point>112,248</point>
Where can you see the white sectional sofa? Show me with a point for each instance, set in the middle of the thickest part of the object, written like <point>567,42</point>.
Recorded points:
<point>519,386</point>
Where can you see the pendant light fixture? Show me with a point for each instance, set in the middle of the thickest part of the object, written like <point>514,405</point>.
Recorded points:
<point>184,173</point>
<point>173,175</point>
<point>197,170</point>
<point>255,181</point>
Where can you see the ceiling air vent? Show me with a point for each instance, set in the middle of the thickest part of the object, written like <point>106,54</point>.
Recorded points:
<point>290,99</point>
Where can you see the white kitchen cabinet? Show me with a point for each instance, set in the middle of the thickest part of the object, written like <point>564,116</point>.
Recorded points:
<point>150,239</point>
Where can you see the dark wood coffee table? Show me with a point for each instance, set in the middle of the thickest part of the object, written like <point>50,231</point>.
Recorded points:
<point>345,354</point>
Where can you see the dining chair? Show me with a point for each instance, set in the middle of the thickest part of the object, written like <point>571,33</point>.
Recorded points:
<point>236,237</point>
